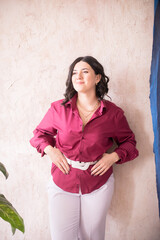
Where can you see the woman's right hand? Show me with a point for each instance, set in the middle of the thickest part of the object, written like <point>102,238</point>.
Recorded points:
<point>57,158</point>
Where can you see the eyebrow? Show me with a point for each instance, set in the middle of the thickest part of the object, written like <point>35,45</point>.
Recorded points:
<point>82,69</point>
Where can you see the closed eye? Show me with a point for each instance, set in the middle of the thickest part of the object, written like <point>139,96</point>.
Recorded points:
<point>73,73</point>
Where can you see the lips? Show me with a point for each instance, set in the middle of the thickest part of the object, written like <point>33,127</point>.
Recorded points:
<point>79,82</point>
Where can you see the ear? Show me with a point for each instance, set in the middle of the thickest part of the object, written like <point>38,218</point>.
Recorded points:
<point>98,78</point>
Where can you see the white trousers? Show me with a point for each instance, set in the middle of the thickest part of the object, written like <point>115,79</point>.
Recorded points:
<point>75,216</point>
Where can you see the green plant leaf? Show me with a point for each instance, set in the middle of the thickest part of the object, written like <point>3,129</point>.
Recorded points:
<point>3,170</point>
<point>13,230</point>
<point>9,214</point>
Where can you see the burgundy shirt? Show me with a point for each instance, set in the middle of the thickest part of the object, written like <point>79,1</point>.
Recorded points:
<point>62,127</point>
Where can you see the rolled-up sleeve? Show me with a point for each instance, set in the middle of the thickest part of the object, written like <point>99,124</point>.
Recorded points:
<point>125,139</point>
<point>44,132</point>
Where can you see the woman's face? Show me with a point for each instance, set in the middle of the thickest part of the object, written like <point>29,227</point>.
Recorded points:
<point>84,78</point>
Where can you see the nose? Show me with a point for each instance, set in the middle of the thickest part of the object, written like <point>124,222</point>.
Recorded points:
<point>79,75</point>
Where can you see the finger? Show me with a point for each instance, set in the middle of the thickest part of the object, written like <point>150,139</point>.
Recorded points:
<point>103,172</point>
<point>99,172</point>
<point>61,168</point>
<point>62,163</point>
<point>66,164</point>
<point>96,169</point>
<point>95,166</point>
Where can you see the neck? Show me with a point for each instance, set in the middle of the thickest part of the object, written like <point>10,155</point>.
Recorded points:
<point>86,99</point>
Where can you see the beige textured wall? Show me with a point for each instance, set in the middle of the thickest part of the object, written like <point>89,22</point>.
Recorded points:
<point>38,41</point>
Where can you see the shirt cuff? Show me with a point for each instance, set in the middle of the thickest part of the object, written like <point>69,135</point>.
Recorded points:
<point>122,155</point>
<point>125,156</point>
<point>43,146</point>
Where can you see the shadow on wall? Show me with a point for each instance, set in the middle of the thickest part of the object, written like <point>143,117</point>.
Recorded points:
<point>128,184</point>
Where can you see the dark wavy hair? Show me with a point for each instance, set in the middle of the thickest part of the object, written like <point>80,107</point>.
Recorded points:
<point>101,87</point>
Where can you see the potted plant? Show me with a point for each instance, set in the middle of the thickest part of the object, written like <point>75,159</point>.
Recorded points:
<point>7,211</point>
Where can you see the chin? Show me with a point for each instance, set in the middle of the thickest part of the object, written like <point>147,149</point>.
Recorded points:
<point>80,89</point>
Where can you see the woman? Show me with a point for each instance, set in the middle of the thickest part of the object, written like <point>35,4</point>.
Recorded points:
<point>76,133</point>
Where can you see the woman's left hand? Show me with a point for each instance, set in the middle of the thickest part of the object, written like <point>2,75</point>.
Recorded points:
<point>107,160</point>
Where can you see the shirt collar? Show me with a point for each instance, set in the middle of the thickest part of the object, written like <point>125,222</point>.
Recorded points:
<point>73,101</point>
<point>103,106</point>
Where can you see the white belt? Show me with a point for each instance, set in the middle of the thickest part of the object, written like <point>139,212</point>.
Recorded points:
<point>80,165</point>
